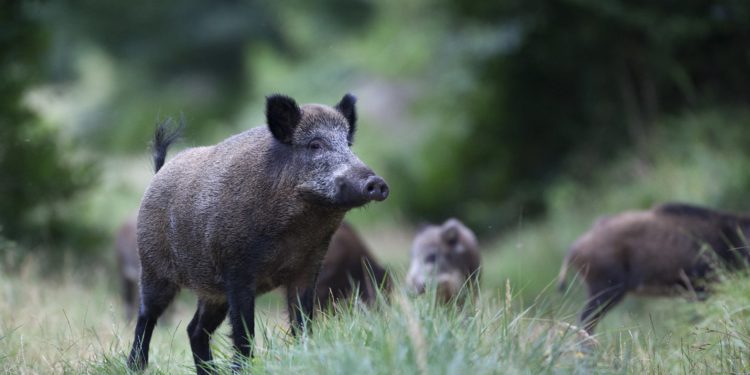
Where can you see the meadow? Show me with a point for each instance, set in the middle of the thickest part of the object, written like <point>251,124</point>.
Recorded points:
<point>66,316</point>
<point>528,120</point>
<point>74,324</point>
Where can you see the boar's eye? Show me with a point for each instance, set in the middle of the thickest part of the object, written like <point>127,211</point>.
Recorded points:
<point>430,258</point>
<point>315,144</point>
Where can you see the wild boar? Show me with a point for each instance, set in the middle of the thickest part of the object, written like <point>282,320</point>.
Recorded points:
<point>235,220</point>
<point>126,250</point>
<point>347,267</point>
<point>670,249</point>
<point>129,267</point>
<point>447,256</point>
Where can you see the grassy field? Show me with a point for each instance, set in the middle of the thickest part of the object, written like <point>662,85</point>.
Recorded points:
<point>74,324</point>
<point>71,320</point>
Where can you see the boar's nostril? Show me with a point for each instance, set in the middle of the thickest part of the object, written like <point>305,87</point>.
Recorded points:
<point>384,190</point>
<point>376,188</point>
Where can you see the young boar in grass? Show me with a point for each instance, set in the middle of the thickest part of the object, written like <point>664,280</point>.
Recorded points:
<point>446,256</point>
<point>349,266</point>
<point>238,219</point>
<point>670,249</point>
<point>126,250</point>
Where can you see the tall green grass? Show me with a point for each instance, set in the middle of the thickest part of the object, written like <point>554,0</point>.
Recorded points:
<point>71,321</point>
<point>74,325</point>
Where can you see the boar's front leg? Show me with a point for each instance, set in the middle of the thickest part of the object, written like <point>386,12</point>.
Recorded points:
<point>603,295</point>
<point>241,298</point>
<point>300,297</point>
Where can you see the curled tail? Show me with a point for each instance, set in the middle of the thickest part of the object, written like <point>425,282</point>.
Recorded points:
<point>562,284</point>
<point>164,136</point>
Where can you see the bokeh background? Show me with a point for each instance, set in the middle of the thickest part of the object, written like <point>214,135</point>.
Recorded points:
<point>525,119</point>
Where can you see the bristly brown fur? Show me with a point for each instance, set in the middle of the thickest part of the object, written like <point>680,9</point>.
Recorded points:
<point>237,219</point>
<point>671,249</point>
<point>349,266</point>
<point>446,255</point>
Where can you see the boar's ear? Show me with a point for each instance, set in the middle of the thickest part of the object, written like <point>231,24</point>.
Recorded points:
<point>282,115</point>
<point>347,108</point>
<point>462,235</point>
<point>450,235</point>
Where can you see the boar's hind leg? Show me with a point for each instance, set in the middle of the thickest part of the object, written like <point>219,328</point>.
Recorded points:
<point>208,317</point>
<point>602,297</point>
<point>156,295</point>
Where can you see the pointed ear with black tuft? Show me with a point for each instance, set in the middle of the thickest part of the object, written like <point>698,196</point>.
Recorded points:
<point>347,108</point>
<point>282,115</point>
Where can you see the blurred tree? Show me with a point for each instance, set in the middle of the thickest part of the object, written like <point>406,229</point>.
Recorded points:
<point>169,42</point>
<point>584,79</point>
<point>36,173</point>
<point>192,55</point>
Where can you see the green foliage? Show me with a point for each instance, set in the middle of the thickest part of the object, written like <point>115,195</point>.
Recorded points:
<point>37,170</point>
<point>576,82</point>
<point>160,59</point>
<point>167,42</point>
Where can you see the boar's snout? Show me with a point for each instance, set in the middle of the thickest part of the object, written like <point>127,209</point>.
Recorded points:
<point>358,190</point>
<point>375,188</point>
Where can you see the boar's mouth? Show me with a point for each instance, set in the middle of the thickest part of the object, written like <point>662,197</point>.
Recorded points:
<point>343,203</point>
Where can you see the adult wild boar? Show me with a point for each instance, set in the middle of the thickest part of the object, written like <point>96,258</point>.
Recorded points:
<point>126,250</point>
<point>447,256</point>
<point>670,249</point>
<point>238,219</point>
<point>349,266</point>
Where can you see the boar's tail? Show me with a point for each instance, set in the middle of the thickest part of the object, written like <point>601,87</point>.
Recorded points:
<point>165,135</point>
<point>562,284</point>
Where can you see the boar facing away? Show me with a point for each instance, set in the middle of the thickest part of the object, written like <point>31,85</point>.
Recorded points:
<point>446,256</point>
<point>240,218</point>
<point>668,250</point>
<point>348,267</point>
